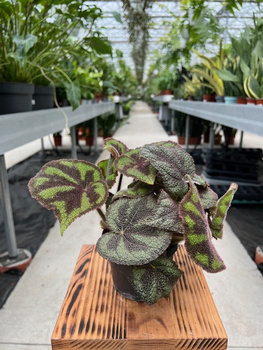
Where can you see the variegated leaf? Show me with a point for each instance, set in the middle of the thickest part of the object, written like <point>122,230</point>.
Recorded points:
<point>108,171</point>
<point>132,164</point>
<point>172,163</point>
<point>115,147</point>
<point>156,279</point>
<point>197,232</point>
<point>135,189</point>
<point>165,215</point>
<point>131,241</point>
<point>199,180</point>
<point>220,212</point>
<point>208,197</point>
<point>70,187</point>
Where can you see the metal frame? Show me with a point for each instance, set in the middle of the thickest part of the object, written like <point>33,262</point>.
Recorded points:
<point>20,128</point>
<point>247,118</point>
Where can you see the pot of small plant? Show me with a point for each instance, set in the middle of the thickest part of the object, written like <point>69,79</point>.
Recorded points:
<point>166,203</point>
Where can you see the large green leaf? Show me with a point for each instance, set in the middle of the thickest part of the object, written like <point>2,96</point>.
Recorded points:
<point>25,43</point>
<point>132,164</point>
<point>220,212</point>
<point>130,240</point>
<point>254,87</point>
<point>197,232</point>
<point>73,92</point>
<point>172,163</point>
<point>70,187</point>
<point>227,76</point>
<point>156,279</point>
<point>100,45</point>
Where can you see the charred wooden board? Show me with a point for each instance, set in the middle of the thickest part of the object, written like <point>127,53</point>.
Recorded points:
<point>94,316</point>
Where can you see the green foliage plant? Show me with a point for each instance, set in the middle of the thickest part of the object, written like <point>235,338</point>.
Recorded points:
<point>248,51</point>
<point>165,204</point>
<point>36,35</point>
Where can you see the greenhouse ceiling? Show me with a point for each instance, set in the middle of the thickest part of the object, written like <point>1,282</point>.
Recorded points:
<point>162,14</point>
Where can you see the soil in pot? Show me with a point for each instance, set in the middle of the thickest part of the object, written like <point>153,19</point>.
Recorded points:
<point>15,97</point>
<point>43,97</point>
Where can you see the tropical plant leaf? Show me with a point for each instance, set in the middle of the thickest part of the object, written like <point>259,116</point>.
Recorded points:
<point>165,215</point>
<point>227,76</point>
<point>197,232</point>
<point>100,45</point>
<point>135,189</point>
<point>208,197</point>
<point>219,214</point>
<point>70,187</point>
<point>108,171</point>
<point>115,147</point>
<point>199,180</point>
<point>25,43</point>
<point>73,92</point>
<point>132,164</point>
<point>130,241</point>
<point>172,163</point>
<point>156,279</point>
<point>254,87</point>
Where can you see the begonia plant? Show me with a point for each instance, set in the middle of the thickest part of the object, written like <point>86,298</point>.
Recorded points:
<point>166,203</point>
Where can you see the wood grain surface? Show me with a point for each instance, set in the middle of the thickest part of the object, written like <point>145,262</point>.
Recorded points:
<point>94,316</point>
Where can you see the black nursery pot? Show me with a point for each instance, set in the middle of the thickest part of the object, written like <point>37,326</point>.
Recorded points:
<point>43,97</point>
<point>15,97</point>
<point>121,281</point>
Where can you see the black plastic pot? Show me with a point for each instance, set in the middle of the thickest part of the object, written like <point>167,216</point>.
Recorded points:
<point>15,97</point>
<point>220,99</point>
<point>43,97</point>
<point>121,281</point>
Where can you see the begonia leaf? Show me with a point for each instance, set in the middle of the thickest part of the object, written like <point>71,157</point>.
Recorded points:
<point>70,187</point>
<point>130,240</point>
<point>172,163</point>
<point>208,197</point>
<point>108,171</point>
<point>156,279</point>
<point>115,147</point>
<point>165,214</point>
<point>197,232</point>
<point>132,164</point>
<point>220,212</point>
<point>199,180</point>
<point>135,189</point>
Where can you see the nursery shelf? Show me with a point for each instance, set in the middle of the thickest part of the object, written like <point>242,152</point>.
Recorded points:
<point>20,128</point>
<point>95,316</point>
<point>247,118</point>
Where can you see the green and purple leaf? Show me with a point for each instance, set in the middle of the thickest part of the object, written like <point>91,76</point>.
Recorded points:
<point>172,163</point>
<point>130,240</point>
<point>156,279</point>
<point>70,187</point>
<point>132,164</point>
<point>208,197</point>
<point>108,171</point>
<point>135,190</point>
<point>220,212</point>
<point>165,215</point>
<point>115,147</point>
<point>197,232</point>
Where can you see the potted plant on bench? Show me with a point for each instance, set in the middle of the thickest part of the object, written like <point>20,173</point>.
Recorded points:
<point>165,204</point>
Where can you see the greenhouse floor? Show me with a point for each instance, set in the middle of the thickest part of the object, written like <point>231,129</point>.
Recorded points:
<point>28,317</point>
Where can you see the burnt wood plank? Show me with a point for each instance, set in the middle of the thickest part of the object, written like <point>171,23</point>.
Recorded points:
<point>95,316</point>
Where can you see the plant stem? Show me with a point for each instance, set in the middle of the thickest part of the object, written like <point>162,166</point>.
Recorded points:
<point>119,184</point>
<point>101,214</point>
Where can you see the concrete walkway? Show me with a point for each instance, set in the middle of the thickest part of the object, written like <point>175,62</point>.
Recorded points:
<point>29,315</point>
